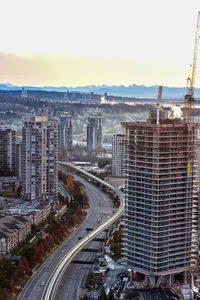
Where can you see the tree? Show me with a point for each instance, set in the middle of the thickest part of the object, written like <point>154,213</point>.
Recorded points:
<point>36,257</point>
<point>19,273</point>
<point>102,295</point>
<point>59,235</point>
<point>85,200</point>
<point>36,251</point>
<point>70,184</point>
<point>29,272</point>
<point>73,220</point>
<point>4,294</point>
<point>6,271</point>
<point>42,247</point>
<point>62,176</point>
<point>110,295</point>
<point>77,193</point>
<point>79,212</point>
<point>46,246</point>
<point>53,226</point>
<point>63,229</point>
<point>19,191</point>
<point>53,238</point>
<point>85,297</point>
<point>66,201</point>
<point>28,253</point>
<point>50,239</point>
<point>25,262</point>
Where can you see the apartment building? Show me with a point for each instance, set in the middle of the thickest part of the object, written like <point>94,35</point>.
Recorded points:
<point>19,158</point>
<point>7,149</point>
<point>118,155</point>
<point>13,231</point>
<point>39,213</point>
<point>94,132</point>
<point>24,93</point>
<point>65,131</point>
<point>40,159</point>
<point>162,197</point>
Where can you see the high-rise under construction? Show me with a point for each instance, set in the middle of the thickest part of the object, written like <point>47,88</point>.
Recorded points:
<point>160,236</point>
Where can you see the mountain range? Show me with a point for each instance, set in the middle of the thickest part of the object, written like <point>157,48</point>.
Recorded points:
<point>115,90</point>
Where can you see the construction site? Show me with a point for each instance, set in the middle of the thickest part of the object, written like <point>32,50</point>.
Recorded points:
<point>161,236</point>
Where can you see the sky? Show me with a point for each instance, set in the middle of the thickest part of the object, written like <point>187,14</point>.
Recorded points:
<point>95,42</point>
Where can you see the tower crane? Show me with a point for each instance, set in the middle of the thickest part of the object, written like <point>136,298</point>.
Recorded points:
<point>189,97</point>
<point>158,103</point>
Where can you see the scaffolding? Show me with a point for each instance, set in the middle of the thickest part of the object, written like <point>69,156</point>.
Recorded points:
<point>162,196</point>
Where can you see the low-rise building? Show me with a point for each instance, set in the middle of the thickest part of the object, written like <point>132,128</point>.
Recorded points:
<point>61,211</point>
<point>37,212</point>
<point>9,184</point>
<point>40,213</point>
<point>115,181</point>
<point>13,231</point>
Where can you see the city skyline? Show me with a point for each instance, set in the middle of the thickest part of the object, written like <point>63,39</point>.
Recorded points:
<point>157,175</point>
<point>76,43</point>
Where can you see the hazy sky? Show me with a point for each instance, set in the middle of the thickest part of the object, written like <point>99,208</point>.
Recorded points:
<point>81,42</point>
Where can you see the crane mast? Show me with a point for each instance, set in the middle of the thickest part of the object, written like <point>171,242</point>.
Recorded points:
<point>158,103</point>
<point>189,97</point>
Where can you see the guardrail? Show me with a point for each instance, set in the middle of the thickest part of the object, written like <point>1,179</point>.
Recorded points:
<point>51,286</point>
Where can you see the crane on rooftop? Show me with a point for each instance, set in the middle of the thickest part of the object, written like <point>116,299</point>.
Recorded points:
<point>189,97</point>
<point>158,103</point>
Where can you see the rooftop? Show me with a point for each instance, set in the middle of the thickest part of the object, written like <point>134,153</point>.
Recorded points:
<point>40,118</point>
<point>8,224</point>
<point>23,208</point>
<point>152,294</point>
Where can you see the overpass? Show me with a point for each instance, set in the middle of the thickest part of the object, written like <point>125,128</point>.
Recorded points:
<point>51,286</point>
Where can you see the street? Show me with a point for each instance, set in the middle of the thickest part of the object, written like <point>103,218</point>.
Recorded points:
<point>63,190</point>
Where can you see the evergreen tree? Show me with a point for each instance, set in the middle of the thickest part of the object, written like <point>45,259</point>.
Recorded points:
<point>110,295</point>
<point>103,295</point>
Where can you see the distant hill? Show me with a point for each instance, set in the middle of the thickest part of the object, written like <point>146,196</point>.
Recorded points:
<point>115,90</point>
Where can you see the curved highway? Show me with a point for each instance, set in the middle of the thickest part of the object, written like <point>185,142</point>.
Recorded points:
<point>72,283</point>
<point>51,286</point>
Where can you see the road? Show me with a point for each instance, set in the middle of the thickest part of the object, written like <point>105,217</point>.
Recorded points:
<point>98,205</point>
<point>73,281</point>
<point>63,190</point>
